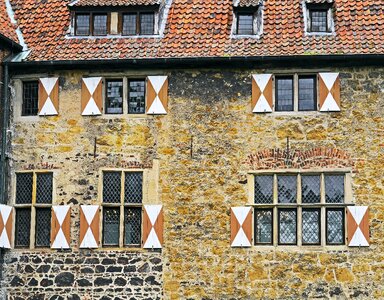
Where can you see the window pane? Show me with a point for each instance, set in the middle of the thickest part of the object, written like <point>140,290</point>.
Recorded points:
<point>284,94</point>
<point>245,24</point>
<point>111,226</point>
<point>263,226</point>
<point>287,188</point>
<point>132,224</point>
<point>310,188</point>
<point>44,182</point>
<point>30,98</point>
<point>319,21</point>
<point>24,188</point>
<point>307,93</point>
<point>335,226</point>
<point>114,99</point>
<point>133,188</point>
<point>100,24</point>
<point>311,226</point>
<point>129,24</point>
<point>334,188</point>
<point>263,189</point>
<point>23,227</point>
<point>111,187</point>
<point>136,99</point>
<point>43,227</point>
<point>287,226</point>
<point>147,22</point>
<point>82,24</point>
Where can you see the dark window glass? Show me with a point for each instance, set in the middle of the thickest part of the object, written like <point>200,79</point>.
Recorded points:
<point>129,24</point>
<point>319,20</point>
<point>133,187</point>
<point>23,227</point>
<point>114,99</point>
<point>24,183</point>
<point>335,226</point>
<point>44,182</point>
<point>310,188</point>
<point>263,226</point>
<point>263,189</point>
<point>100,24</point>
<point>136,98</point>
<point>30,98</point>
<point>307,93</point>
<point>132,225</point>
<point>82,24</point>
<point>244,23</point>
<point>334,188</point>
<point>43,227</point>
<point>111,187</point>
<point>147,23</point>
<point>311,226</point>
<point>287,226</point>
<point>111,226</point>
<point>287,188</point>
<point>284,94</point>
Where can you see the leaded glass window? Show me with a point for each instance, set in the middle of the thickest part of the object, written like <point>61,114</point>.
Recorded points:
<point>132,226</point>
<point>82,24</point>
<point>287,188</point>
<point>24,185</point>
<point>319,20</point>
<point>147,23</point>
<point>112,187</point>
<point>100,24</point>
<point>263,226</point>
<point>287,226</point>
<point>23,227</point>
<point>245,23</point>
<point>335,226</point>
<point>129,24</point>
<point>310,188</point>
<point>307,93</point>
<point>133,187</point>
<point>334,188</point>
<point>264,189</point>
<point>30,98</point>
<point>111,226</point>
<point>311,226</point>
<point>136,97</point>
<point>43,227</point>
<point>284,93</point>
<point>44,187</point>
<point>114,97</point>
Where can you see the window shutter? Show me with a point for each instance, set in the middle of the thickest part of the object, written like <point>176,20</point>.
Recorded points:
<point>5,226</point>
<point>358,226</point>
<point>61,227</point>
<point>48,96</point>
<point>241,226</point>
<point>157,95</point>
<point>153,226</point>
<point>91,96</point>
<point>89,226</point>
<point>329,92</point>
<point>262,91</point>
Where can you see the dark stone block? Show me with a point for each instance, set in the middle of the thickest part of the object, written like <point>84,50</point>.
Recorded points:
<point>100,269</point>
<point>136,281</point>
<point>16,281</point>
<point>29,269</point>
<point>37,297</point>
<point>36,260</point>
<point>122,260</point>
<point>92,261</point>
<point>108,261</point>
<point>58,262</point>
<point>114,269</point>
<point>335,292</point>
<point>64,279</point>
<point>56,297</point>
<point>158,268</point>
<point>151,280</point>
<point>87,270</point>
<point>43,269</point>
<point>102,281</point>
<point>74,297</point>
<point>144,268</point>
<point>105,298</point>
<point>84,282</point>
<point>129,269</point>
<point>120,281</point>
<point>68,261</point>
<point>46,282</point>
<point>33,282</point>
<point>155,260</point>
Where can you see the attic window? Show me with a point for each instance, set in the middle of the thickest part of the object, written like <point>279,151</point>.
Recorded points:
<point>319,17</point>
<point>138,23</point>
<point>247,21</point>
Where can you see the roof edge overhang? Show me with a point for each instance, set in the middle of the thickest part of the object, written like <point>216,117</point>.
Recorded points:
<point>10,44</point>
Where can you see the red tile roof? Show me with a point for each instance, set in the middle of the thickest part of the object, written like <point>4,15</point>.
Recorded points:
<point>7,29</point>
<point>202,28</point>
<point>94,3</point>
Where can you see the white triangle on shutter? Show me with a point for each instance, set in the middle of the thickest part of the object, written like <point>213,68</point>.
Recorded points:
<point>60,241</point>
<point>89,240</point>
<point>91,108</point>
<point>152,241</point>
<point>262,105</point>
<point>241,239</point>
<point>157,107</point>
<point>5,240</point>
<point>48,108</point>
<point>359,239</point>
<point>330,104</point>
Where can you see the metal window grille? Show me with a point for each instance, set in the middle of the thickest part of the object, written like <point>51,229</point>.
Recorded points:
<point>133,187</point>
<point>310,188</point>
<point>136,99</point>
<point>334,188</point>
<point>245,23</point>
<point>82,24</point>
<point>111,226</point>
<point>30,98</point>
<point>287,188</point>
<point>287,226</point>
<point>43,227</point>
<point>129,24</point>
<point>311,226</point>
<point>335,226</point>
<point>263,226</point>
<point>44,188</point>
<point>22,227</point>
<point>307,93</point>
<point>319,22</point>
<point>114,99</point>
<point>100,24</point>
<point>132,225</point>
<point>263,189</point>
<point>24,182</point>
<point>147,23</point>
<point>111,187</point>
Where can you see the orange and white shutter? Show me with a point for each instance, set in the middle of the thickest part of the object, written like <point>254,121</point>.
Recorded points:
<point>89,226</point>
<point>329,92</point>
<point>48,96</point>
<point>153,226</point>
<point>241,226</point>
<point>5,226</point>
<point>157,95</point>
<point>91,96</point>
<point>262,91</point>
<point>61,227</point>
<point>358,226</point>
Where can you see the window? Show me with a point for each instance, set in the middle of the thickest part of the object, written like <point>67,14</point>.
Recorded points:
<point>292,205</point>
<point>34,195</point>
<point>91,24</point>
<point>244,23</point>
<point>136,96</point>
<point>138,23</point>
<point>30,98</point>
<point>82,24</point>
<point>114,96</point>
<point>100,24</point>
<point>307,93</point>
<point>247,20</point>
<point>319,18</point>
<point>122,208</point>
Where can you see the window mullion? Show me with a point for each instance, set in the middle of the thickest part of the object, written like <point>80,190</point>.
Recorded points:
<point>299,212</point>
<point>121,233</point>
<point>33,212</point>
<point>275,211</point>
<point>323,211</point>
<point>295,92</point>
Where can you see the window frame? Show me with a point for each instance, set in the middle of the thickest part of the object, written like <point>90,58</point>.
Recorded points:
<point>315,7</point>
<point>244,13</point>
<point>91,15</point>
<point>23,83</point>
<point>314,10</point>
<point>108,26</point>
<point>257,16</point>
<point>138,14</point>
<point>105,81</point>
<point>145,95</point>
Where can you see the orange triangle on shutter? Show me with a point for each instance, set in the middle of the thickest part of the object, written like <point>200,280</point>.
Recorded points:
<point>163,94</point>
<point>159,226</point>
<point>55,226</point>
<point>95,225</point>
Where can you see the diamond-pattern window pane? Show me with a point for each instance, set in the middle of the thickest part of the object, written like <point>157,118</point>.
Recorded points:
<point>133,187</point>
<point>129,24</point>
<point>132,226</point>
<point>319,21</point>
<point>111,226</point>
<point>23,227</point>
<point>43,227</point>
<point>44,182</point>
<point>310,188</point>
<point>287,226</point>
<point>334,188</point>
<point>284,94</point>
<point>24,188</point>
<point>263,189</point>
<point>263,226</point>
<point>335,226</point>
<point>100,24</point>
<point>311,226</point>
<point>287,188</point>
<point>111,187</point>
<point>147,23</point>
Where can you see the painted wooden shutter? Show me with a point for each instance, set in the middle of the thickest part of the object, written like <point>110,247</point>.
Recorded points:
<point>48,96</point>
<point>61,227</point>
<point>358,226</point>
<point>241,226</point>
<point>262,91</point>
<point>329,92</point>
<point>89,226</point>
<point>91,96</point>
<point>5,226</point>
<point>153,226</point>
<point>157,95</point>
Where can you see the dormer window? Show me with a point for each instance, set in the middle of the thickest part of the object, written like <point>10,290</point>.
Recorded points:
<point>247,19</point>
<point>138,23</point>
<point>319,18</point>
<point>82,24</point>
<point>100,24</point>
<point>245,23</point>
